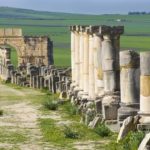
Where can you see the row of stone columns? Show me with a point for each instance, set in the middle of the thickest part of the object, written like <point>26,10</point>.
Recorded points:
<point>95,59</point>
<point>135,87</point>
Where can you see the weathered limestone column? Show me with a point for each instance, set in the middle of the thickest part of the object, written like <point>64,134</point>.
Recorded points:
<point>108,64</point>
<point>110,53</point>
<point>116,32</point>
<point>73,53</point>
<point>91,66</point>
<point>129,84</point>
<point>81,51</point>
<point>98,63</point>
<point>77,56</point>
<point>86,61</point>
<point>145,91</point>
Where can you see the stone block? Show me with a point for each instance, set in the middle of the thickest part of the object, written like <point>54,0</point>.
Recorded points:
<point>2,31</point>
<point>145,144</point>
<point>17,32</point>
<point>129,124</point>
<point>110,105</point>
<point>8,32</point>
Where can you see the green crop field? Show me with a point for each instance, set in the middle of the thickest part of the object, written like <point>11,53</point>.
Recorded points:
<point>56,26</point>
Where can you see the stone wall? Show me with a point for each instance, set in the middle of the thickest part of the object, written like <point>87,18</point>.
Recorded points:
<point>5,63</point>
<point>36,50</point>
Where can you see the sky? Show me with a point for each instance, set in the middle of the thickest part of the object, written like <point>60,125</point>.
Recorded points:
<point>81,6</point>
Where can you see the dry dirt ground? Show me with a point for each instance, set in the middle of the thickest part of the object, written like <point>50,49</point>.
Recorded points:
<point>19,128</point>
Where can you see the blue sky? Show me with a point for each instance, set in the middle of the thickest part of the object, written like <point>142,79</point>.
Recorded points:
<point>81,6</point>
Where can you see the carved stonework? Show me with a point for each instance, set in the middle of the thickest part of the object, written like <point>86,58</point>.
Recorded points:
<point>40,48</point>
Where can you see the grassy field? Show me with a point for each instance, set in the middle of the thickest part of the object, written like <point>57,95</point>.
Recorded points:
<point>56,26</point>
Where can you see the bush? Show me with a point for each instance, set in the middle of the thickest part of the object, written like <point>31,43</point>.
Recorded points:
<point>51,105</point>
<point>1,112</point>
<point>69,133</point>
<point>102,130</point>
<point>130,142</point>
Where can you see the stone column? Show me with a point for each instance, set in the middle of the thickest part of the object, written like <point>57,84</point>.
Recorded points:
<point>81,51</point>
<point>116,32</point>
<point>86,61</point>
<point>129,84</point>
<point>73,52</point>
<point>108,64</point>
<point>77,56</point>
<point>110,53</point>
<point>145,90</point>
<point>91,66</point>
<point>98,63</point>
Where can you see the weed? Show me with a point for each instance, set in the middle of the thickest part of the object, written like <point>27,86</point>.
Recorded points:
<point>1,112</point>
<point>51,105</point>
<point>70,133</point>
<point>102,130</point>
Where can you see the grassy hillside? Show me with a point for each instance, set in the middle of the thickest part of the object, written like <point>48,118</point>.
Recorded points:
<point>56,25</point>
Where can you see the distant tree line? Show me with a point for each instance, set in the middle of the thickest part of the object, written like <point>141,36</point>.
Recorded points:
<point>138,13</point>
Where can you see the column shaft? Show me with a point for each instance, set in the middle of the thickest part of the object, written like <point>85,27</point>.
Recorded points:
<point>91,68</point>
<point>86,62</point>
<point>77,67</point>
<point>81,60</point>
<point>73,55</point>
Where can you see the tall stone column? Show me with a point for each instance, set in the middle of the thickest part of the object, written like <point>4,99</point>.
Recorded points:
<point>145,90</point>
<point>81,51</point>
<point>98,63</point>
<point>73,52</point>
<point>91,66</point>
<point>129,84</point>
<point>108,64</point>
<point>77,56</point>
<point>86,61</point>
<point>116,32</point>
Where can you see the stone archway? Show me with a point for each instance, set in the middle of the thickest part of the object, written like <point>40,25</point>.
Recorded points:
<point>40,48</point>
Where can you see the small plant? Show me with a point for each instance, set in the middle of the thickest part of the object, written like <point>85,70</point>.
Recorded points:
<point>71,109</point>
<point>51,105</point>
<point>69,133</point>
<point>1,112</point>
<point>102,130</point>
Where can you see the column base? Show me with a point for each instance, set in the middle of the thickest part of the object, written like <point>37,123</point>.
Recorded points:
<point>127,110</point>
<point>110,105</point>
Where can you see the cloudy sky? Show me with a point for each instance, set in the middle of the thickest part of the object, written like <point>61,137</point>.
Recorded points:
<point>81,6</point>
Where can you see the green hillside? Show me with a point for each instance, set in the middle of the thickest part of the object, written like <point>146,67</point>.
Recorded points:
<point>56,25</point>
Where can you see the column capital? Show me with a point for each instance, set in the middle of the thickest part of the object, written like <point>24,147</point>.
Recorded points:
<point>117,30</point>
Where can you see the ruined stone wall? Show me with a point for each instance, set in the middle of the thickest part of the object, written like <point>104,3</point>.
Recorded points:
<point>5,63</point>
<point>36,50</point>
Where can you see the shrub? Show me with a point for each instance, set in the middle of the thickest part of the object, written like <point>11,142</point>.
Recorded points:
<point>69,133</point>
<point>1,112</point>
<point>51,105</point>
<point>102,130</point>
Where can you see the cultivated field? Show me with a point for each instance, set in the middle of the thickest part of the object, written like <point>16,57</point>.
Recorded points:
<point>56,25</point>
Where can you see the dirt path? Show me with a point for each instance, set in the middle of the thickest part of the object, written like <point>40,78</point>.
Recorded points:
<point>18,125</point>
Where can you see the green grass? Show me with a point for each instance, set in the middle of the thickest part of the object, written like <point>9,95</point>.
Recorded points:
<point>55,25</point>
<point>130,142</point>
<point>11,137</point>
<point>57,134</point>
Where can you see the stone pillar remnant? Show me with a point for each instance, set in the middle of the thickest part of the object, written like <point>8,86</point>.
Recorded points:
<point>129,84</point>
